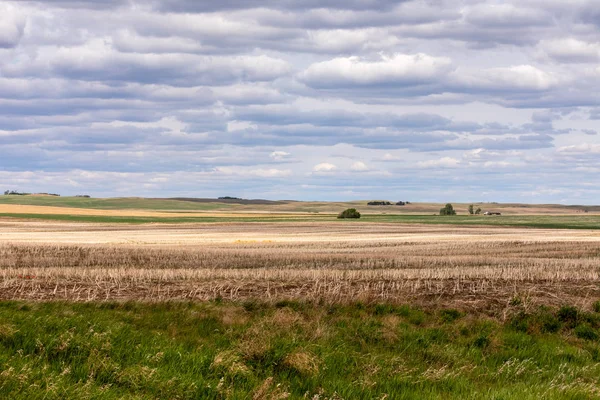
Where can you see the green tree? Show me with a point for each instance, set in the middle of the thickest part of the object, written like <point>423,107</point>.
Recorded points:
<point>349,213</point>
<point>447,210</point>
<point>471,209</point>
<point>478,211</point>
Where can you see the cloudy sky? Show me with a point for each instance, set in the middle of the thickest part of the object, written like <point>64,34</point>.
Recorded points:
<point>431,100</point>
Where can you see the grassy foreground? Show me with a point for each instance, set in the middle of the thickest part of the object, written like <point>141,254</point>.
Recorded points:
<point>293,350</point>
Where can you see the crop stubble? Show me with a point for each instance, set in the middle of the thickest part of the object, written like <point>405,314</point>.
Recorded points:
<point>443,266</point>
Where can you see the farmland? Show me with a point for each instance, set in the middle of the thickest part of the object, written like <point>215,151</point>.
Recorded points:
<point>300,260</point>
<point>285,301</point>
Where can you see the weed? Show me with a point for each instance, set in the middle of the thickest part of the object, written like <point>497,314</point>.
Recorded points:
<point>568,315</point>
<point>585,331</point>
<point>450,315</point>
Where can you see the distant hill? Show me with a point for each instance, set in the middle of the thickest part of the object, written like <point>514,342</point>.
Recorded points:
<point>230,200</point>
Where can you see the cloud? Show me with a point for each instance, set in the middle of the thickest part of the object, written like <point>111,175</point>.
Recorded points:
<point>12,26</point>
<point>182,97</point>
<point>97,60</point>
<point>395,70</point>
<point>571,50</point>
<point>390,157</point>
<point>201,6</point>
<point>324,167</point>
<point>506,79</point>
<point>505,16</point>
<point>279,155</point>
<point>256,172</point>
<point>359,166</point>
<point>584,148</point>
<point>445,162</point>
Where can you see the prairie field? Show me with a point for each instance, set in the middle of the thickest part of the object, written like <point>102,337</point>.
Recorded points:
<point>437,265</point>
<point>257,305</point>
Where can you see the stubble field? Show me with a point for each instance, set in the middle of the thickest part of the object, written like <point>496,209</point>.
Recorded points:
<point>479,268</point>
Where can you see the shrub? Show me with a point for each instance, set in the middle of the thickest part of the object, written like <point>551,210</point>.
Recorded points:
<point>349,213</point>
<point>596,306</point>
<point>447,210</point>
<point>482,341</point>
<point>568,315</point>
<point>585,331</point>
<point>450,315</point>
<point>550,324</point>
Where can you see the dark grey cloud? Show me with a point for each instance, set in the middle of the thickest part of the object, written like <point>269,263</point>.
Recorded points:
<point>211,6</point>
<point>80,4</point>
<point>97,61</point>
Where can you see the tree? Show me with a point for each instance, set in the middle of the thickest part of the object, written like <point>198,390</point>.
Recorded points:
<point>471,209</point>
<point>478,211</point>
<point>6,192</point>
<point>349,213</point>
<point>447,210</point>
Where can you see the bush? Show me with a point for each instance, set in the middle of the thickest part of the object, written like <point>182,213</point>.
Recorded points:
<point>447,210</point>
<point>450,315</point>
<point>585,331</point>
<point>568,315</point>
<point>596,306</point>
<point>349,213</point>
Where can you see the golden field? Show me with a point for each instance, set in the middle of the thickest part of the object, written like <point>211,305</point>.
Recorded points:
<point>482,268</point>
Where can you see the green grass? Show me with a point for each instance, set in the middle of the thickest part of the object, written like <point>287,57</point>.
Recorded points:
<point>253,350</point>
<point>532,221</point>
<point>163,220</point>
<point>112,203</point>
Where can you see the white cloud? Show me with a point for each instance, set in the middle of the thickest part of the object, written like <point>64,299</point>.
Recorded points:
<point>359,166</point>
<point>445,162</point>
<point>12,25</point>
<point>397,69</point>
<point>520,77</point>
<point>256,172</point>
<point>324,167</point>
<point>390,157</point>
<point>584,148</point>
<point>279,155</point>
<point>350,40</point>
<point>570,50</point>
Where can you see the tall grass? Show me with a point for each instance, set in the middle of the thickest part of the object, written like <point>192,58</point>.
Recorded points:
<point>293,350</point>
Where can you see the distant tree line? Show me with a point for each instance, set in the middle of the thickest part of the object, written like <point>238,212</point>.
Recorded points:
<point>387,203</point>
<point>229,198</point>
<point>14,193</point>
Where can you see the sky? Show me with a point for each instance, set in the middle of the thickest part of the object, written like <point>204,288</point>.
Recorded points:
<point>431,100</point>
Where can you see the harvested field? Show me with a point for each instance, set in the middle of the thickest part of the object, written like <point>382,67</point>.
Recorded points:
<point>51,210</point>
<point>482,268</point>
